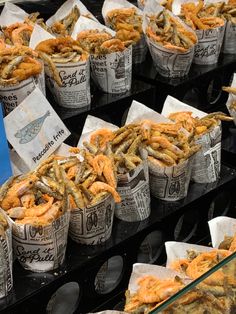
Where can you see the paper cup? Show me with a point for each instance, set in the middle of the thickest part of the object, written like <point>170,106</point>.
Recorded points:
<point>133,188</point>
<point>169,63</point>
<point>41,249</point>
<point>206,163</point>
<point>221,227</point>
<point>92,225</point>
<point>229,42</point>
<point>140,51</point>
<point>112,72</point>
<point>170,183</point>
<point>12,96</point>
<point>75,89</point>
<point>6,260</point>
<point>207,50</point>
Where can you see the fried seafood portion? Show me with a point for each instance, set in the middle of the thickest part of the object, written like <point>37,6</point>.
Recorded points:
<point>167,31</point>
<point>231,90</point>
<point>151,292</point>
<point>60,50</point>
<point>99,42</point>
<point>199,16</point>
<point>229,243</point>
<point>66,25</point>
<point>18,64</point>
<point>167,144</point>
<point>123,146</point>
<point>3,225</point>
<point>127,23</point>
<point>199,126</point>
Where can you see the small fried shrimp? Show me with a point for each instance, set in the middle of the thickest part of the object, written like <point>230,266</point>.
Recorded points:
<point>98,187</point>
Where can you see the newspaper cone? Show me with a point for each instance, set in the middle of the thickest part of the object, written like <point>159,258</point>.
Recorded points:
<point>221,227</point>
<point>206,163</point>
<point>229,42</point>
<point>170,183</point>
<point>209,44</point>
<point>41,249</point>
<point>168,62</point>
<point>133,188</point>
<point>11,96</point>
<point>112,72</point>
<point>92,225</point>
<point>6,260</point>
<point>75,89</point>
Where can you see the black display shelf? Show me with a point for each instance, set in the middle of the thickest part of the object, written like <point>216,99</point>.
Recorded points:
<point>201,87</point>
<point>32,291</point>
<point>229,148</point>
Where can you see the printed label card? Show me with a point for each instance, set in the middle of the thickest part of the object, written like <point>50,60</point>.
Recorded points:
<point>5,165</point>
<point>34,129</point>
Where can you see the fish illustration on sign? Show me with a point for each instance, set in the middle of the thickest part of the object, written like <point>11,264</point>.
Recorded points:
<point>31,130</point>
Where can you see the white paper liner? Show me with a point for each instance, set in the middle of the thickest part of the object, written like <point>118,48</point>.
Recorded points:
<point>168,63</point>
<point>12,96</point>
<point>34,129</point>
<point>229,42</point>
<point>141,4</point>
<point>133,188</point>
<point>75,89</point>
<point>140,270</point>
<point>206,162</point>
<point>41,249</point>
<point>140,48</point>
<point>207,50</point>
<point>178,250</point>
<point>92,225</point>
<point>221,227</point>
<point>231,99</point>
<point>166,183</point>
<point>11,14</point>
<point>112,72</point>
<point>6,260</point>
<point>66,8</point>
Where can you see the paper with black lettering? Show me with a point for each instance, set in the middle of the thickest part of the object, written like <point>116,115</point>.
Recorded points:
<point>229,42</point>
<point>220,227</point>
<point>92,225</point>
<point>232,100</point>
<point>140,48</point>
<point>12,14</point>
<point>11,96</point>
<point>209,44</point>
<point>6,260</point>
<point>34,129</point>
<point>206,163</point>
<point>168,63</point>
<point>41,248</point>
<point>167,183</point>
<point>66,8</point>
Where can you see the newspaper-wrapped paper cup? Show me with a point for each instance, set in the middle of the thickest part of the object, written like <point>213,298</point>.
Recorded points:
<point>232,99</point>
<point>75,89</point>
<point>206,163</point>
<point>170,183</point>
<point>140,48</point>
<point>179,250</point>
<point>209,44</point>
<point>6,260</point>
<point>112,72</point>
<point>92,225</point>
<point>11,96</point>
<point>221,227</point>
<point>229,42</point>
<point>133,188</point>
<point>41,249</point>
<point>168,62</point>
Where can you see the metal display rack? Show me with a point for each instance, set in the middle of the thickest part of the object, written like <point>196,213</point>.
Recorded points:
<point>185,220</point>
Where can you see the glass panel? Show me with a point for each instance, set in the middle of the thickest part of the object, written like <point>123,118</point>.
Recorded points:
<point>212,293</point>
